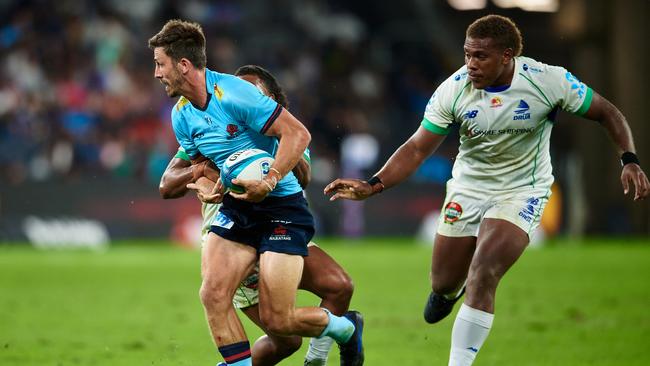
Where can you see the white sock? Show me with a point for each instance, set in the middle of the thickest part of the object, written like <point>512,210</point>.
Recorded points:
<point>319,349</point>
<point>471,328</point>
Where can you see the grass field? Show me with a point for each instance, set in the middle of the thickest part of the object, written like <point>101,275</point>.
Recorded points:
<point>137,304</point>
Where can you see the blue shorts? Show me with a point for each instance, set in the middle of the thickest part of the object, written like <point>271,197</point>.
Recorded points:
<point>277,224</point>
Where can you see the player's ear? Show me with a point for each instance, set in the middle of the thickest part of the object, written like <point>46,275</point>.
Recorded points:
<point>184,65</point>
<point>508,53</point>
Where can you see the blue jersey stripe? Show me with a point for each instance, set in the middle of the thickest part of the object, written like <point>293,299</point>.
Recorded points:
<point>271,119</point>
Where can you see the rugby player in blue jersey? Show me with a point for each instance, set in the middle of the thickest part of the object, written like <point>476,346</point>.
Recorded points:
<point>321,275</point>
<point>506,105</point>
<point>216,115</point>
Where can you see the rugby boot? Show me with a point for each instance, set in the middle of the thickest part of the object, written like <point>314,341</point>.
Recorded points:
<point>438,307</point>
<point>352,351</point>
<point>314,363</point>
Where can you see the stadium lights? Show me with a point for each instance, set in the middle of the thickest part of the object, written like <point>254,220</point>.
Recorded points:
<point>467,4</point>
<point>527,5</point>
<point>550,6</point>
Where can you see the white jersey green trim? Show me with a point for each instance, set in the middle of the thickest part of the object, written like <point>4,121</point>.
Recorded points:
<point>432,127</point>
<point>181,154</point>
<point>586,104</point>
<point>505,132</point>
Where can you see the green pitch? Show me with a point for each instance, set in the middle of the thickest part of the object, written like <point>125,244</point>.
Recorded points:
<point>137,304</point>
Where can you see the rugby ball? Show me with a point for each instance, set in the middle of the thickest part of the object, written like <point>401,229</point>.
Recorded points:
<point>253,164</point>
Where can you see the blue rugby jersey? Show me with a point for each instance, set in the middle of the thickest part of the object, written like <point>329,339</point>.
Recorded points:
<point>235,118</point>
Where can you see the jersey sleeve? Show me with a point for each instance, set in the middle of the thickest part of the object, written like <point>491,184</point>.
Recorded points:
<point>181,154</point>
<point>438,115</point>
<point>183,135</point>
<point>307,155</point>
<point>567,91</point>
<point>246,104</point>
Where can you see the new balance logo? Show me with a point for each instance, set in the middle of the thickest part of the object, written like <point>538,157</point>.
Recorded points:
<point>470,114</point>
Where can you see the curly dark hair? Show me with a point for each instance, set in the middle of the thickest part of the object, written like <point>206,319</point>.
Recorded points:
<point>270,83</point>
<point>180,39</point>
<point>501,29</point>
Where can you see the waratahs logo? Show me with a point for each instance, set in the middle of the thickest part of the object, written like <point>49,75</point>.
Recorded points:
<point>453,212</point>
<point>233,131</point>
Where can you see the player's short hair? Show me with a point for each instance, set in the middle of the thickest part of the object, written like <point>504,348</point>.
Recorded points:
<point>501,29</point>
<point>181,39</point>
<point>270,83</point>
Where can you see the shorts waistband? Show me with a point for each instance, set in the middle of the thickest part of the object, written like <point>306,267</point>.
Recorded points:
<point>274,199</point>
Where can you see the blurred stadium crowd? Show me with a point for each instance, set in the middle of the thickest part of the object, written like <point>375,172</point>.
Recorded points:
<point>79,103</point>
<point>78,97</point>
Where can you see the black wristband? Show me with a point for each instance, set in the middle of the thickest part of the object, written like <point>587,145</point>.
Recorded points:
<point>629,157</point>
<point>375,181</point>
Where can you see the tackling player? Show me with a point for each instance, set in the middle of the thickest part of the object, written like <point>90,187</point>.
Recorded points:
<point>321,275</point>
<point>217,115</point>
<point>506,105</point>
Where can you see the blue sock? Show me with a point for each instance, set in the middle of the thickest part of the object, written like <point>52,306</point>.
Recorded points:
<point>237,354</point>
<point>339,328</point>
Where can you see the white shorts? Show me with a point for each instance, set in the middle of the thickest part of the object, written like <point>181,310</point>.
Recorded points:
<point>465,208</point>
<point>247,294</point>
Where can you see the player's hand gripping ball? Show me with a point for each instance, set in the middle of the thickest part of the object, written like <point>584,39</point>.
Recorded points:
<point>251,164</point>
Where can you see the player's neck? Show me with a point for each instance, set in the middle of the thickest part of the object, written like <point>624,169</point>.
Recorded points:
<point>506,76</point>
<point>196,91</point>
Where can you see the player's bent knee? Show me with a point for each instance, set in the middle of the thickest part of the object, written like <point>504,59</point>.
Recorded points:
<point>286,346</point>
<point>483,276</point>
<point>214,295</point>
<point>342,288</point>
<point>337,287</point>
<point>276,324</point>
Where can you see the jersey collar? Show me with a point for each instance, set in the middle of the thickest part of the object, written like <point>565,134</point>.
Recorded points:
<point>500,88</point>
<point>207,90</point>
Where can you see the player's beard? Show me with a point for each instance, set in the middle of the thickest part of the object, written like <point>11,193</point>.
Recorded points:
<point>173,86</point>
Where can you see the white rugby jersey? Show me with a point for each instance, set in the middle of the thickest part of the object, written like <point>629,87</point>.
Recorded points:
<point>505,132</point>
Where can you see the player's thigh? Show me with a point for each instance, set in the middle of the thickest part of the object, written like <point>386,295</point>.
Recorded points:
<point>505,229</point>
<point>450,262</point>
<point>280,275</point>
<point>322,274</point>
<point>253,313</point>
<point>500,243</point>
<point>226,262</point>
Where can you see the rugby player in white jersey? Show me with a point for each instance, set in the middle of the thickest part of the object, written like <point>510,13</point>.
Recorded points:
<point>501,180</point>
<point>321,275</point>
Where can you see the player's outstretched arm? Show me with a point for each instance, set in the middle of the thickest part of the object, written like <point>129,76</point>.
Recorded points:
<point>619,131</point>
<point>404,161</point>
